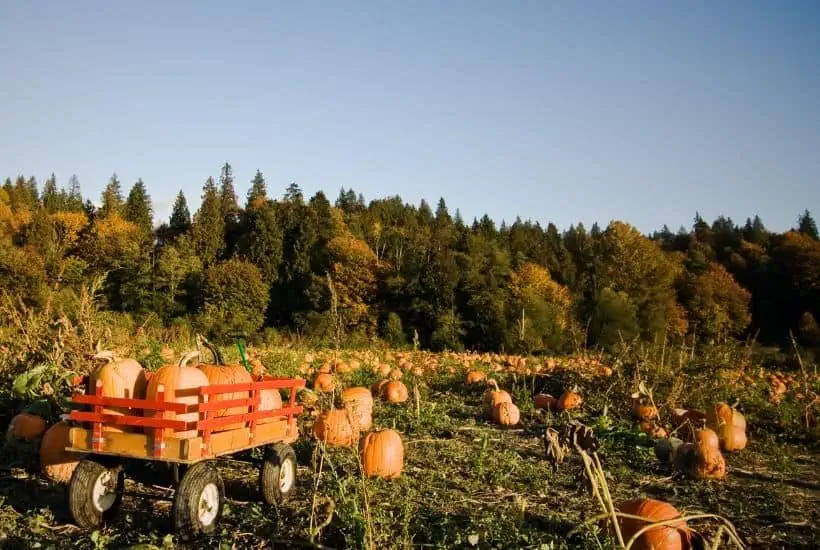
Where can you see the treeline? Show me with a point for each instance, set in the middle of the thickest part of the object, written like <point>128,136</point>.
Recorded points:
<point>405,273</point>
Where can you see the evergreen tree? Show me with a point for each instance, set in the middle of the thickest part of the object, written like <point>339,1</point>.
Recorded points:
<point>208,227</point>
<point>75,196</point>
<point>51,197</point>
<point>263,239</point>
<point>180,216</point>
<point>33,194</point>
<point>806,225</point>
<point>227,194</point>
<point>111,197</point>
<point>258,189</point>
<point>138,208</point>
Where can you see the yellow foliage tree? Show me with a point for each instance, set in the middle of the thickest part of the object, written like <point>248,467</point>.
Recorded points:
<point>546,307</point>
<point>717,303</point>
<point>353,270</point>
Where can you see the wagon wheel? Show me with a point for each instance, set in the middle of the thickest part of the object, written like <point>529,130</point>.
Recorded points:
<point>94,493</point>
<point>277,476</point>
<point>199,500</point>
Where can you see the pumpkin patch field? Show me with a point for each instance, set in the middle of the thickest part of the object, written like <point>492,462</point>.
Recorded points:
<point>410,449</point>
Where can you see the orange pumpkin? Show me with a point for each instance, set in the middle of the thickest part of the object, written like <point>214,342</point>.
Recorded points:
<point>119,378</point>
<point>227,374</point>
<point>181,384</point>
<point>382,454</point>
<point>396,374</point>
<point>603,370</point>
<point>395,391</point>
<point>569,400</point>
<point>653,430</point>
<point>643,410</point>
<point>475,376</point>
<point>324,383</point>
<point>506,414</point>
<point>674,536</point>
<point>730,426</point>
<point>493,397</point>
<point>546,401</point>
<point>709,462</point>
<point>359,403</point>
<point>25,427</point>
<point>334,428</point>
<point>57,464</point>
<point>269,400</point>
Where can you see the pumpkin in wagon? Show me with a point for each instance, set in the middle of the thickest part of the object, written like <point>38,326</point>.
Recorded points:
<point>181,384</point>
<point>124,378</point>
<point>218,373</point>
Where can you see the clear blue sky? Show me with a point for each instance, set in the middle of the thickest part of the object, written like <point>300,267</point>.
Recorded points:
<point>563,111</point>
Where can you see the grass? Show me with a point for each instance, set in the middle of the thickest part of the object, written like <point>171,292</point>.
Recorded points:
<point>469,483</point>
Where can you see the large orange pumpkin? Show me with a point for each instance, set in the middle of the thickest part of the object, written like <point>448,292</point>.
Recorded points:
<point>730,426</point>
<point>395,391</point>
<point>181,384</point>
<point>382,454</point>
<point>120,378</point>
<point>25,427</point>
<point>334,428</point>
<point>227,374</point>
<point>57,464</point>
<point>269,400</point>
<point>359,403</point>
<point>674,536</point>
<point>493,397</point>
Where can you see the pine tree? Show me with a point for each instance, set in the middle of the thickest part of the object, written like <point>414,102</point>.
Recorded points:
<point>138,208</point>
<point>180,216</point>
<point>806,225</point>
<point>33,194</point>
<point>227,195</point>
<point>111,197</point>
<point>258,189</point>
<point>75,196</point>
<point>208,228</point>
<point>263,240</point>
<point>51,197</point>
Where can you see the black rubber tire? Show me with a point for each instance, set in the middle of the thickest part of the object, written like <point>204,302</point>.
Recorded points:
<point>81,490</point>
<point>269,473</point>
<point>185,512</point>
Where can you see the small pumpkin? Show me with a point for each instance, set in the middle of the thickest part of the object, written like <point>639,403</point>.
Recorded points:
<point>653,430</point>
<point>546,401</point>
<point>569,400</point>
<point>181,384</point>
<point>674,536</point>
<point>506,414</point>
<point>493,397</point>
<point>395,391</point>
<point>475,376</point>
<point>603,370</point>
<point>334,428</point>
<point>396,374</point>
<point>382,454</point>
<point>709,462</point>
<point>57,464</point>
<point>644,410</point>
<point>25,427</point>
<point>730,426</point>
<point>324,383</point>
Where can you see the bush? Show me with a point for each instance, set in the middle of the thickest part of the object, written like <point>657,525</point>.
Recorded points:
<point>235,298</point>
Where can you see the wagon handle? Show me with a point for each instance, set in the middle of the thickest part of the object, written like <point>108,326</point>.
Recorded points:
<point>183,361</point>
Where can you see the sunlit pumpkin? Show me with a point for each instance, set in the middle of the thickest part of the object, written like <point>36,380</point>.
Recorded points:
<point>674,536</point>
<point>181,384</point>
<point>269,400</point>
<point>395,391</point>
<point>643,409</point>
<point>569,400</point>
<point>475,376</point>
<point>335,429</point>
<point>324,383</point>
<point>359,403</point>
<point>730,426</point>
<point>120,378</point>
<point>382,454</point>
<point>25,427</point>
<point>506,414</point>
<point>709,462</point>
<point>653,430</point>
<point>396,374</point>
<point>57,464</point>
<point>227,374</point>
<point>494,396</point>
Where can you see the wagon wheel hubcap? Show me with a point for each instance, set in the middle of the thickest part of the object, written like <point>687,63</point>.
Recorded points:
<point>286,476</point>
<point>104,493</point>
<point>208,504</point>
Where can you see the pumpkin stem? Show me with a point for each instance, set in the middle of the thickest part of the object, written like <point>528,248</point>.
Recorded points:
<point>213,349</point>
<point>106,355</point>
<point>493,383</point>
<point>186,357</point>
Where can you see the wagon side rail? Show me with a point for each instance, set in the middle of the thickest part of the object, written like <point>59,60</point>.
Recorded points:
<point>153,413</point>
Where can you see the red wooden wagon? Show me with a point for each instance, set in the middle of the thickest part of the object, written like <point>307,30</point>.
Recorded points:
<point>96,487</point>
